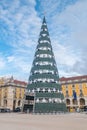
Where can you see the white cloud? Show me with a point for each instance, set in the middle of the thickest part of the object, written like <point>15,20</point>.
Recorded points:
<point>64,55</point>
<point>2,63</point>
<point>74,18</point>
<point>10,58</point>
<point>70,31</point>
<point>67,28</point>
<point>21,23</point>
<point>21,30</point>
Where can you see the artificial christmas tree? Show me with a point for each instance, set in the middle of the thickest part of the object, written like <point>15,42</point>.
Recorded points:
<point>43,80</point>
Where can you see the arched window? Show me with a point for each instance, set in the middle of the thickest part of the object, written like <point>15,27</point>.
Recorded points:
<point>80,86</point>
<point>67,95</point>
<point>81,93</point>
<point>73,86</point>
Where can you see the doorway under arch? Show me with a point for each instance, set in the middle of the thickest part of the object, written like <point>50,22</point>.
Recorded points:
<point>82,101</point>
<point>74,101</point>
<point>14,104</point>
<point>67,101</point>
<point>19,103</point>
<point>5,103</point>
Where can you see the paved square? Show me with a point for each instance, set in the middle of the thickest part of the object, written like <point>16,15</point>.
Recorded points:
<point>18,121</point>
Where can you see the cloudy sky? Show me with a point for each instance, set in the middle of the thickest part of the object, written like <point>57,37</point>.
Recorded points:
<point>20,23</point>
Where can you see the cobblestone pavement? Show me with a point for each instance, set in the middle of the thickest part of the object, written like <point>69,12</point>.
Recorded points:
<point>19,121</point>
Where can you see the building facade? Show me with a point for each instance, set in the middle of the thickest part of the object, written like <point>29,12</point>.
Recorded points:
<point>11,92</point>
<point>75,92</point>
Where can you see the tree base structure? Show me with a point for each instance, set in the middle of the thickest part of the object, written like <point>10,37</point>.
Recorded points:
<point>50,108</point>
<point>30,106</point>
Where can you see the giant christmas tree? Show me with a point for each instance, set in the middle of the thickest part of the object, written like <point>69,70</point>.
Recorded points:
<point>43,79</point>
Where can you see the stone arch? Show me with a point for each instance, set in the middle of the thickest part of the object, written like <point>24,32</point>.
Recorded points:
<point>82,101</point>
<point>68,101</point>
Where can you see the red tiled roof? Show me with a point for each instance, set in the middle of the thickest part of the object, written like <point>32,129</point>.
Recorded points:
<point>20,82</point>
<point>73,78</point>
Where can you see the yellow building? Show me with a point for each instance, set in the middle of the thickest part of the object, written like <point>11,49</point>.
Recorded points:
<point>75,92</point>
<point>11,92</point>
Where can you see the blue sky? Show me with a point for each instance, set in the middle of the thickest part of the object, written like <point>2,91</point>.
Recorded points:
<point>20,23</point>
